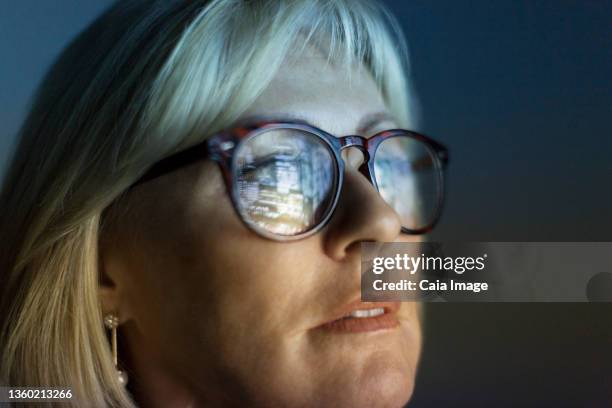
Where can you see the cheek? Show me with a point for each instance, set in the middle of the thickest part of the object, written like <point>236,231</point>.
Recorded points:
<point>237,304</point>
<point>204,288</point>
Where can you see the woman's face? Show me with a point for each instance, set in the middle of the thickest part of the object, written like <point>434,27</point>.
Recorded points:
<point>214,311</point>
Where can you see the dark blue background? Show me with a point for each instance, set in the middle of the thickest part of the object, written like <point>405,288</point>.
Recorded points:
<point>521,92</point>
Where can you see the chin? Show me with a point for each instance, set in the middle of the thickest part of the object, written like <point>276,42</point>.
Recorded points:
<point>385,387</point>
<point>391,389</point>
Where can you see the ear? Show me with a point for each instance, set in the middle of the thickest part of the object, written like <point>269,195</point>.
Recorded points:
<point>110,290</point>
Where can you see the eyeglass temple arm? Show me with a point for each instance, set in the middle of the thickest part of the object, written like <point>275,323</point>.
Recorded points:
<point>174,161</point>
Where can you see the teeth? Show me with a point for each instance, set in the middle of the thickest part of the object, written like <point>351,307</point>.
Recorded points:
<point>367,312</point>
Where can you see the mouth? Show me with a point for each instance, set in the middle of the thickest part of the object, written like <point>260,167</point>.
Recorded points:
<point>358,317</point>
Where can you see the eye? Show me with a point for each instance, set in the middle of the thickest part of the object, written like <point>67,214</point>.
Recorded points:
<point>268,161</point>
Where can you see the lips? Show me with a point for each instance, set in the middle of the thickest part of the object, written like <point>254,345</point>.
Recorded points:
<point>358,316</point>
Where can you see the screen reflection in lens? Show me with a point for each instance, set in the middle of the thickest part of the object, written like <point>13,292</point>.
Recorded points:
<point>407,175</point>
<point>286,180</point>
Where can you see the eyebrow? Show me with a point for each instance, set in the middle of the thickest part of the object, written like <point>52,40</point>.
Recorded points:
<point>367,123</point>
<point>371,120</point>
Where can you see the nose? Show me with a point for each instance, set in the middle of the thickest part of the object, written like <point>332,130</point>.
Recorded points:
<point>360,216</point>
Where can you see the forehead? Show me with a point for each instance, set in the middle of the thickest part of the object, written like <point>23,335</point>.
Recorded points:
<point>327,94</point>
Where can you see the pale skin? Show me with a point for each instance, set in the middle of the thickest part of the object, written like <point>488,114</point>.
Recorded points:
<point>214,315</point>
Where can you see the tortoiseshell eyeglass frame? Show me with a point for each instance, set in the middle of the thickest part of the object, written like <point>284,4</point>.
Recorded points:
<point>221,147</point>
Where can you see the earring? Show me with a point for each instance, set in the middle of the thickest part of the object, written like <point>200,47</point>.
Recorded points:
<point>111,321</point>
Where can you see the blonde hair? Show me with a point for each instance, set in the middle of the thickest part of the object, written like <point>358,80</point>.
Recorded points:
<point>145,80</point>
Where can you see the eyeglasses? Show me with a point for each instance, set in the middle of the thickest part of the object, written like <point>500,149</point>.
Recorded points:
<point>285,179</point>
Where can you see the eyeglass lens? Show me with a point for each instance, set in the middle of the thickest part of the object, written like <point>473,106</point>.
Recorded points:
<point>286,180</point>
<point>407,174</point>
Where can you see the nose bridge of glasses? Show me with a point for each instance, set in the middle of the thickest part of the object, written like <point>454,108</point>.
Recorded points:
<point>358,142</point>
